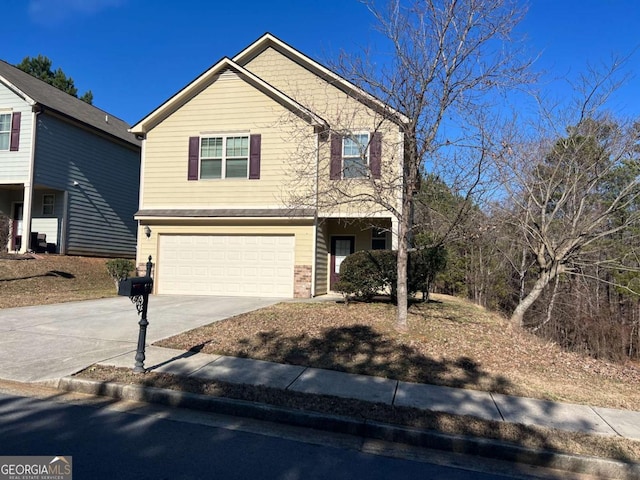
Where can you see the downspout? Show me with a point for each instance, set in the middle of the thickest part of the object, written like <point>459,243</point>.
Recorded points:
<point>139,255</point>
<point>314,242</point>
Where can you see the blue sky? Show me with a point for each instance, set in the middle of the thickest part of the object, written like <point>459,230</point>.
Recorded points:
<point>134,54</point>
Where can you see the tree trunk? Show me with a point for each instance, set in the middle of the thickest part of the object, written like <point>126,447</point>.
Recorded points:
<point>517,317</point>
<point>402,298</point>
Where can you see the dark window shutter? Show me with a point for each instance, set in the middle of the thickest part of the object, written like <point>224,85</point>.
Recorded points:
<point>15,132</point>
<point>194,157</point>
<point>254,156</point>
<point>335,168</point>
<point>375,154</point>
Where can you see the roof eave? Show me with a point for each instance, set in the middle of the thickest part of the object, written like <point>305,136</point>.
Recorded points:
<point>18,91</point>
<point>192,89</point>
<point>340,82</point>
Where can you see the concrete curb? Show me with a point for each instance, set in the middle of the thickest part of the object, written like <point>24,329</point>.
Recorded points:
<point>493,449</point>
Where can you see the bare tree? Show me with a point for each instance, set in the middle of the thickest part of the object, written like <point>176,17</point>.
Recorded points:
<point>573,189</point>
<point>441,65</point>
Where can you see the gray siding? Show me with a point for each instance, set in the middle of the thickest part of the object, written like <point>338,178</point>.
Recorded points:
<point>101,205</point>
<point>14,166</point>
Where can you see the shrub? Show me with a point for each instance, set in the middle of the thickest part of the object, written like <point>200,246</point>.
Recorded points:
<point>424,265</point>
<point>4,232</point>
<point>369,272</point>
<point>119,269</point>
<point>360,275</point>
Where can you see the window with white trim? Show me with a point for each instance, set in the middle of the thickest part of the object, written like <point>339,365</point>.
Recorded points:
<point>48,203</point>
<point>378,239</point>
<point>355,156</point>
<point>5,131</point>
<point>224,156</point>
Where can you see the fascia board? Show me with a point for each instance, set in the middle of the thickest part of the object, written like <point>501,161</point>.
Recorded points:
<point>201,82</point>
<point>17,91</point>
<point>318,69</point>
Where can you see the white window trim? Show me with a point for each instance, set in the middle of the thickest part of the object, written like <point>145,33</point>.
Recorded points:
<point>52,204</point>
<point>8,132</point>
<point>366,153</point>
<point>223,169</point>
<point>378,233</point>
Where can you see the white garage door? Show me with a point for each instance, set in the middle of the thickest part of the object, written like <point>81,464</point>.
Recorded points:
<point>235,265</point>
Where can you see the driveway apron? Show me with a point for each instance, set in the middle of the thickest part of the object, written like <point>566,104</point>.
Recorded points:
<point>51,341</point>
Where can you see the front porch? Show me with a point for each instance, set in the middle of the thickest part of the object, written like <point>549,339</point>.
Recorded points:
<point>336,238</point>
<point>41,228</point>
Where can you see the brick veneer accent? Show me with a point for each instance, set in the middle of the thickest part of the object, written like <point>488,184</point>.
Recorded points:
<point>302,281</point>
<point>141,271</point>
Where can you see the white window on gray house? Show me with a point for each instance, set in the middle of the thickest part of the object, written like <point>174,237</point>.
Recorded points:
<point>378,239</point>
<point>355,156</point>
<point>224,157</point>
<point>5,131</point>
<point>48,203</point>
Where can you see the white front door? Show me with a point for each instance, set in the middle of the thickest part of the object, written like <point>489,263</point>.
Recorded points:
<point>341,248</point>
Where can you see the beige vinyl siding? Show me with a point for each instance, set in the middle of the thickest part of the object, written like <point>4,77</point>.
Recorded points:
<point>303,232</point>
<point>343,113</point>
<point>228,105</point>
<point>315,93</point>
<point>322,262</point>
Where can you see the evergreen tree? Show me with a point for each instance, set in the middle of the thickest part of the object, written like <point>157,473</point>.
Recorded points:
<point>41,68</point>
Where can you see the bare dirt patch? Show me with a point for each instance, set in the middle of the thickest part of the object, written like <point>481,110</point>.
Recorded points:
<point>43,279</point>
<point>449,342</point>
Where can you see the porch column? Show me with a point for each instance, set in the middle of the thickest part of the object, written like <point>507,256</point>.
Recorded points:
<point>394,233</point>
<point>26,217</point>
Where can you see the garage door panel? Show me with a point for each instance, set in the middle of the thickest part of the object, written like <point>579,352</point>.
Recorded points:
<point>243,265</point>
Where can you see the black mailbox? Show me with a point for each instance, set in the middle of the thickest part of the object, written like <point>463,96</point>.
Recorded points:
<point>132,287</point>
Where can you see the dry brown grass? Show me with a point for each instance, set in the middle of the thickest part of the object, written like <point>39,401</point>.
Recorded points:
<point>43,279</point>
<point>532,437</point>
<point>449,342</point>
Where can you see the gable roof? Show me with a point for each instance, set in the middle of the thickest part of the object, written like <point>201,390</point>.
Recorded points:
<point>206,79</point>
<point>269,40</point>
<point>38,92</point>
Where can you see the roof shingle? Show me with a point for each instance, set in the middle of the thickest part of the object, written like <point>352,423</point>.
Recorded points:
<point>68,105</point>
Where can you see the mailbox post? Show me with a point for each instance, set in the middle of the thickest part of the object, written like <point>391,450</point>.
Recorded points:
<point>138,290</point>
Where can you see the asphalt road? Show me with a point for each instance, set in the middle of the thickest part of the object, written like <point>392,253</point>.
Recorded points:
<point>134,441</point>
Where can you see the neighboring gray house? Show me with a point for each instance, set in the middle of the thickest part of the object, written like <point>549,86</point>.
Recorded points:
<point>69,172</point>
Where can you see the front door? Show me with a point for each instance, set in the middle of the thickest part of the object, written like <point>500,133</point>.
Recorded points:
<point>16,226</point>
<point>341,247</point>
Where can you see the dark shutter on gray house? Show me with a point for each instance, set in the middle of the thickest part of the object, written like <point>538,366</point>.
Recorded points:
<point>194,156</point>
<point>335,169</point>
<point>15,131</point>
<point>254,156</point>
<point>375,154</point>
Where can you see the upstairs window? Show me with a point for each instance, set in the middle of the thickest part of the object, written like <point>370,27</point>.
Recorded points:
<point>355,156</point>
<point>5,131</point>
<point>224,157</point>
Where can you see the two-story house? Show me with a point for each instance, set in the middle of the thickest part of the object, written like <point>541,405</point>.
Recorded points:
<point>69,172</point>
<point>262,174</point>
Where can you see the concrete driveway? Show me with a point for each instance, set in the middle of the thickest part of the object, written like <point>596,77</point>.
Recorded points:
<point>50,341</point>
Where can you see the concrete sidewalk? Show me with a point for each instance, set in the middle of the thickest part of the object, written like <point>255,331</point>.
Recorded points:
<point>484,405</point>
